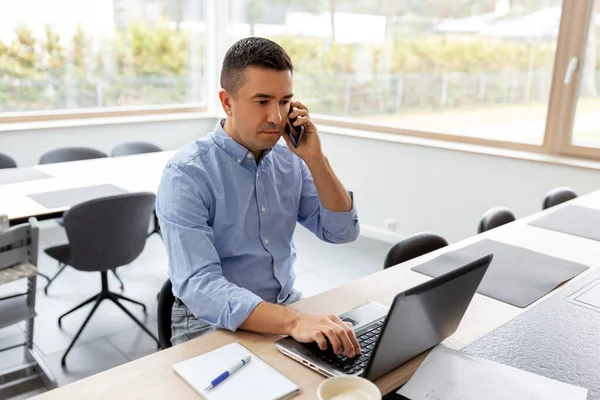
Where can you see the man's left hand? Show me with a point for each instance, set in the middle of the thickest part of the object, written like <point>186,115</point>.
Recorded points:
<point>309,148</point>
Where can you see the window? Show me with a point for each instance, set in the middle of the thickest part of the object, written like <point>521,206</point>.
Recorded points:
<point>476,68</point>
<point>73,54</point>
<point>488,72</point>
<point>586,129</point>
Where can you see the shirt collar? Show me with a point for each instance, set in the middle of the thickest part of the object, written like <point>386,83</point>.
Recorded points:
<point>233,149</point>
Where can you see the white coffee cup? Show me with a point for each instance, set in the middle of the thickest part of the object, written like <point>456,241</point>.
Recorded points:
<point>348,388</point>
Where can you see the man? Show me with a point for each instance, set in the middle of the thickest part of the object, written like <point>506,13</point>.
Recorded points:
<point>228,205</point>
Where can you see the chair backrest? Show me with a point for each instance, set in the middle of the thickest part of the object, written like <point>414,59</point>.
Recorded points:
<point>19,244</point>
<point>412,247</point>
<point>163,316</point>
<point>127,149</point>
<point>7,162</point>
<point>109,232</point>
<point>66,154</point>
<point>495,217</point>
<point>557,196</point>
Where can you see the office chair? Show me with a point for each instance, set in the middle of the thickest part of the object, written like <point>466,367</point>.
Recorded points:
<point>104,234</point>
<point>66,154</point>
<point>163,315</point>
<point>495,217</point>
<point>130,148</point>
<point>7,162</point>
<point>557,196</point>
<point>412,247</point>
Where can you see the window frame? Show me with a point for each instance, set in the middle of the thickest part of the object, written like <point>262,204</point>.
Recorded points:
<point>107,112</point>
<point>576,20</point>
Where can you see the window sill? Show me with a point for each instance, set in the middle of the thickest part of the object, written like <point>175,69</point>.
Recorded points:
<point>85,122</point>
<point>462,147</point>
<point>324,128</point>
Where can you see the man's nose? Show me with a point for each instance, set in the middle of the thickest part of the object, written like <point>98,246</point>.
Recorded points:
<point>275,115</point>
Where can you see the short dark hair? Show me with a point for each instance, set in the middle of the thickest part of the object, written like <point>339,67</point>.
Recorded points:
<point>252,52</point>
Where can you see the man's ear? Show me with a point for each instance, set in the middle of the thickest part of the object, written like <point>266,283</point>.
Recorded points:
<point>226,101</point>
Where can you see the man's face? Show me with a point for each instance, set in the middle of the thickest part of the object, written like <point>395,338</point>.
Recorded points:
<point>258,111</point>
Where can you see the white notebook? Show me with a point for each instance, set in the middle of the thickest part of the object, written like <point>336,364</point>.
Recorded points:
<point>257,380</point>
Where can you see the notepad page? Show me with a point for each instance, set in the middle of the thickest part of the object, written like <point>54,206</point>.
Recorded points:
<point>257,380</point>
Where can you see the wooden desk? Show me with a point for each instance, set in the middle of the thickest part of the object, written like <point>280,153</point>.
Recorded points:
<point>153,378</point>
<point>135,173</point>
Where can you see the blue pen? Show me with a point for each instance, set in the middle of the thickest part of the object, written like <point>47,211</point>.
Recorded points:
<point>228,373</point>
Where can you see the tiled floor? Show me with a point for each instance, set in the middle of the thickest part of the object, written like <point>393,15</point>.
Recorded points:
<point>111,338</point>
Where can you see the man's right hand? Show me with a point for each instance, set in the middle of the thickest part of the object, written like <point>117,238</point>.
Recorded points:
<point>316,328</point>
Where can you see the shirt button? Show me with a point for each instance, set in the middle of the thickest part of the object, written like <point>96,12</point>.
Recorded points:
<point>239,161</point>
<point>263,209</point>
<point>266,241</point>
<point>249,155</point>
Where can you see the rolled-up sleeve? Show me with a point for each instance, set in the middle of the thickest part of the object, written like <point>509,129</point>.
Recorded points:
<point>182,206</point>
<point>327,225</point>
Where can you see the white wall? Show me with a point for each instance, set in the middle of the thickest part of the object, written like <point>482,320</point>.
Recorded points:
<point>422,188</point>
<point>26,146</point>
<point>442,190</point>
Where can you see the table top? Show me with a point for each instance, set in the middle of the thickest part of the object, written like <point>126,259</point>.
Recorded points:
<point>136,173</point>
<point>153,377</point>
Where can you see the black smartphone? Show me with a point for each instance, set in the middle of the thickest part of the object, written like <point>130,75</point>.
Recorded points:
<point>295,133</point>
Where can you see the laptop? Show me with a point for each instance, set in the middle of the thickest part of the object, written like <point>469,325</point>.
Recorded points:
<point>419,318</point>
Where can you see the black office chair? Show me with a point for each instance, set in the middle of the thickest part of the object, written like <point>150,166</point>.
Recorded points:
<point>495,217</point>
<point>104,234</point>
<point>163,316</point>
<point>66,154</point>
<point>412,247</point>
<point>130,148</point>
<point>7,162</point>
<point>557,196</point>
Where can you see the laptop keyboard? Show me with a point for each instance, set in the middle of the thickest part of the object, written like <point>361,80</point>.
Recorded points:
<point>353,365</point>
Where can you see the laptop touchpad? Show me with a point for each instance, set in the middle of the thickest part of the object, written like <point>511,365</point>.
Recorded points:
<point>364,314</point>
<point>347,319</point>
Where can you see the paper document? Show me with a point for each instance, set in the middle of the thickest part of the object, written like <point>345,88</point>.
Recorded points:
<point>451,375</point>
<point>256,381</point>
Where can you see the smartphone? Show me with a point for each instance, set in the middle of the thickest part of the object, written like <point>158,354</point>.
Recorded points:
<point>295,133</point>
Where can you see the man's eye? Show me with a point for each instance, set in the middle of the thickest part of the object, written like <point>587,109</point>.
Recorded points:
<point>262,102</point>
<point>285,102</point>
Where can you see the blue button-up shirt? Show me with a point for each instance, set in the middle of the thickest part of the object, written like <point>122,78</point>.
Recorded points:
<point>228,222</point>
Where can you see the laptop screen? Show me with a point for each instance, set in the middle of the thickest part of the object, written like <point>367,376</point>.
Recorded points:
<point>424,316</point>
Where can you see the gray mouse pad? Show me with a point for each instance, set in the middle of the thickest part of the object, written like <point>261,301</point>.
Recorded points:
<point>516,276</point>
<point>69,197</point>
<point>574,220</point>
<point>16,175</point>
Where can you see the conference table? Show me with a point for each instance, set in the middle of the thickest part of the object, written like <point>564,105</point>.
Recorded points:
<point>136,173</point>
<point>152,377</point>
